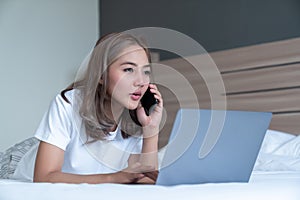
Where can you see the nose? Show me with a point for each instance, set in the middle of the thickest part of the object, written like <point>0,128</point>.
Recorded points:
<point>141,80</point>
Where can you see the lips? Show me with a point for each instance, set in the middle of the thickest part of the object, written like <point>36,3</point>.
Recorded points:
<point>136,95</point>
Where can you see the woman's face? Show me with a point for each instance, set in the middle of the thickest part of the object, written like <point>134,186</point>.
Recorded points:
<point>128,78</point>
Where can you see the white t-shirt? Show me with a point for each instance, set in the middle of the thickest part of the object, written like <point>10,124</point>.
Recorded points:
<point>63,127</point>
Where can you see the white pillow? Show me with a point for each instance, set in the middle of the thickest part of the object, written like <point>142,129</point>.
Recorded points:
<point>280,152</point>
<point>25,168</point>
<point>13,155</point>
<point>274,139</point>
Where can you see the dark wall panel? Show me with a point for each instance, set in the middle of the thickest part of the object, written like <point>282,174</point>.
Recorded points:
<point>215,24</point>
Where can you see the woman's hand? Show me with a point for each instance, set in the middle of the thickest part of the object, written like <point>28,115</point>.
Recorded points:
<point>150,177</point>
<point>152,121</point>
<point>136,173</point>
<point>126,177</point>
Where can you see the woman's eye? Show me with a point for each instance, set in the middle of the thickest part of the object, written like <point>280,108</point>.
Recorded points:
<point>148,72</point>
<point>128,70</point>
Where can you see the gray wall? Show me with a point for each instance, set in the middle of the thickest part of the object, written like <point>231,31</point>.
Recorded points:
<point>42,43</point>
<point>215,24</point>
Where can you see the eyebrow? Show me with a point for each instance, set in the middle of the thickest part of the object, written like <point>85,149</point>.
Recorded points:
<point>133,64</point>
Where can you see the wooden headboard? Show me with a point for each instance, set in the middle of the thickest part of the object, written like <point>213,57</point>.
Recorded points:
<point>264,77</point>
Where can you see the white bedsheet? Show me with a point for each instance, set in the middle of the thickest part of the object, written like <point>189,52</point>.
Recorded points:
<point>276,176</point>
<point>262,186</point>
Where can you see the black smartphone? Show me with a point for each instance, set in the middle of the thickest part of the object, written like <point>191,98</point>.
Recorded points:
<point>148,100</point>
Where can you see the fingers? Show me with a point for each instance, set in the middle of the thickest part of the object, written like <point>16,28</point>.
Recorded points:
<point>152,174</point>
<point>138,172</point>
<point>156,111</point>
<point>157,94</point>
<point>134,177</point>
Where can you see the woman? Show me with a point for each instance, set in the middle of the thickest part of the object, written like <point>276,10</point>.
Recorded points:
<point>87,135</point>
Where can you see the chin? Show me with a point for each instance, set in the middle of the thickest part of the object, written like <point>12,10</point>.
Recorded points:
<point>132,106</point>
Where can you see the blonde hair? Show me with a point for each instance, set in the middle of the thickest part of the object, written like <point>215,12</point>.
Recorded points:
<point>94,95</point>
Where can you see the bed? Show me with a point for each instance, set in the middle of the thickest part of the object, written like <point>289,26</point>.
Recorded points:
<point>263,77</point>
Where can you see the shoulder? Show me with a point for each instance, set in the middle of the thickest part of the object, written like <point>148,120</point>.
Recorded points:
<point>67,98</point>
<point>67,110</point>
<point>59,106</point>
<point>66,95</point>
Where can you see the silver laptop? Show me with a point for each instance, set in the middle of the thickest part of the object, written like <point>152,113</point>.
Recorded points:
<point>212,146</point>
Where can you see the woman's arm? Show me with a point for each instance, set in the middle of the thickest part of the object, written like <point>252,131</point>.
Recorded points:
<point>49,162</point>
<point>151,125</point>
<point>150,172</point>
<point>148,156</point>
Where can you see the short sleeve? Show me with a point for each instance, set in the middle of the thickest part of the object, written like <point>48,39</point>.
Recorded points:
<point>55,127</point>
